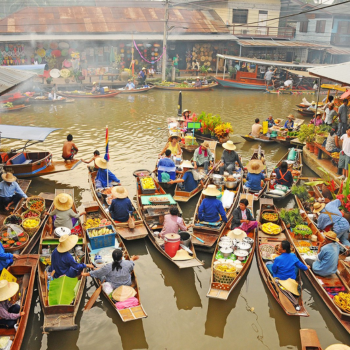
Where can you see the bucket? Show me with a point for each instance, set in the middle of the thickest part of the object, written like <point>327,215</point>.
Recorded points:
<point>172,243</point>
<point>185,238</point>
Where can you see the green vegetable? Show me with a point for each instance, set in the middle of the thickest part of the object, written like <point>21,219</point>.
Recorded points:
<point>303,230</point>
<point>62,291</point>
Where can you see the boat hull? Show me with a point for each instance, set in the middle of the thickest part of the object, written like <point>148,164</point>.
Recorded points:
<point>202,88</point>
<point>112,94</point>
<point>135,91</point>
<point>233,84</point>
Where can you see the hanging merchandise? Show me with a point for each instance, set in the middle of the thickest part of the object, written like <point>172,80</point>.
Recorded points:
<point>41,52</point>
<point>64,52</point>
<point>144,58</point>
<point>56,53</point>
<point>53,46</point>
<point>63,45</point>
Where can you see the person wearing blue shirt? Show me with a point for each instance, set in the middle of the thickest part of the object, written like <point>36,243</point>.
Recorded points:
<point>6,259</point>
<point>270,121</point>
<point>101,176</point>
<point>211,208</point>
<point>328,255</point>
<point>285,265</point>
<point>289,124</point>
<point>130,85</point>
<point>142,76</point>
<point>121,207</point>
<point>255,175</point>
<point>166,166</point>
<point>188,182</point>
<point>10,192</point>
<point>284,175</point>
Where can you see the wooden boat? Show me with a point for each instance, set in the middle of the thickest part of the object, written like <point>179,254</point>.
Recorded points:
<point>305,112</point>
<point>222,291</point>
<point>243,80</point>
<point>43,101</point>
<point>135,91</point>
<point>13,109</point>
<point>58,317</point>
<point>285,140</point>
<point>309,340</point>
<point>262,138</point>
<point>174,87</point>
<point>288,307</point>
<point>140,230</point>
<point>341,279</point>
<point>297,166</point>
<point>13,97</point>
<point>153,217</point>
<point>83,94</point>
<point>183,196</point>
<point>24,265</point>
<point>132,313</point>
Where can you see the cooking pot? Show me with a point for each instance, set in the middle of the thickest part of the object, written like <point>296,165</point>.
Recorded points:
<point>241,254</point>
<point>225,244</point>
<point>226,251</point>
<point>248,240</point>
<point>225,239</point>
<point>243,246</point>
<point>230,184</point>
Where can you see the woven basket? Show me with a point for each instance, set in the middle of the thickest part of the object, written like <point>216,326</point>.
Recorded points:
<point>42,209</point>
<point>31,230</point>
<point>16,215</point>
<point>224,277</point>
<point>32,210</point>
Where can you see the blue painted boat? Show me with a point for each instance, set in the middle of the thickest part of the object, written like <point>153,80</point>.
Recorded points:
<point>235,84</point>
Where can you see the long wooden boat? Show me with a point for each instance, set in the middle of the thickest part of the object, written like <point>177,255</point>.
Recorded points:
<point>222,291</point>
<point>24,265</point>
<point>341,279</point>
<point>309,340</point>
<point>243,80</point>
<point>262,138</point>
<point>284,139</point>
<point>305,112</point>
<point>136,90</point>
<point>58,317</point>
<point>131,313</point>
<point>173,87</point>
<point>297,165</point>
<point>83,94</point>
<point>283,91</point>
<point>183,196</point>
<point>42,101</point>
<point>153,217</point>
<point>13,109</point>
<point>262,238</point>
<point>32,164</point>
<point>140,230</point>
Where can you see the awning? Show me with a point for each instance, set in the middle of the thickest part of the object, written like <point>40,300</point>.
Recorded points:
<point>280,44</point>
<point>336,72</point>
<point>300,72</point>
<point>335,87</point>
<point>10,78</point>
<point>30,133</point>
<point>34,68</point>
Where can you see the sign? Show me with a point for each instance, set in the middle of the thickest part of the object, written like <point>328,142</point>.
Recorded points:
<point>265,127</point>
<point>5,275</point>
<point>194,125</point>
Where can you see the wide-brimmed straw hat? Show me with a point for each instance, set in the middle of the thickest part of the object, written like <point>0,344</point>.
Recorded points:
<point>123,292</point>
<point>291,285</point>
<point>187,164</point>
<point>291,116</point>
<point>229,145</point>
<point>8,289</point>
<point>143,68</point>
<point>186,110</point>
<point>332,236</point>
<point>8,177</point>
<point>172,136</point>
<point>318,207</point>
<point>211,190</point>
<point>198,78</point>
<point>101,163</point>
<point>338,347</point>
<point>182,255</point>
<point>63,201</point>
<point>205,144</point>
<point>119,192</point>
<point>181,119</point>
<point>237,233</point>
<point>255,166</point>
<point>67,243</point>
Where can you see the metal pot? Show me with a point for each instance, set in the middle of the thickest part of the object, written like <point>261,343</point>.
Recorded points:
<point>225,239</point>
<point>225,244</point>
<point>244,246</point>
<point>60,231</point>
<point>230,184</point>
<point>218,179</point>
<point>241,254</point>
<point>248,240</point>
<point>226,251</point>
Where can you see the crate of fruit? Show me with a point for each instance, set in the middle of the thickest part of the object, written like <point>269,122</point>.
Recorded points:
<point>147,185</point>
<point>101,237</point>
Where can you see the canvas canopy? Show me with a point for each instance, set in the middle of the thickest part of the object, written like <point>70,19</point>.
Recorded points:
<point>29,133</point>
<point>336,72</point>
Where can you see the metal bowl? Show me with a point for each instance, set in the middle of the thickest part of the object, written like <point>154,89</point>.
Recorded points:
<point>230,184</point>
<point>241,254</point>
<point>244,246</point>
<point>248,240</point>
<point>225,244</point>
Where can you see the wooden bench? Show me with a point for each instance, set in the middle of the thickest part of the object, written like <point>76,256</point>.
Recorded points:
<point>322,150</point>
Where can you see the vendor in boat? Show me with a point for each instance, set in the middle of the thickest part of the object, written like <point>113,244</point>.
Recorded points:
<point>130,85</point>
<point>10,191</point>
<point>121,207</point>
<point>203,157</point>
<point>270,121</point>
<point>173,145</point>
<point>166,168</point>
<point>96,155</point>
<point>284,175</point>
<point>317,120</point>
<point>286,265</point>
<point>255,175</point>
<point>256,128</point>
<point>229,158</point>
<point>288,84</point>
<point>329,215</point>
<point>10,311</point>
<point>69,149</point>
<point>327,257</point>
<point>95,89</point>
<point>173,222</point>
<point>117,273</point>
<point>211,209</point>
<point>6,259</point>
<point>198,83</point>
<point>187,115</point>
<point>63,213</point>
<point>101,176</point>
<point>289,124</point>
<point>243,218</point>
<point>62,262</point>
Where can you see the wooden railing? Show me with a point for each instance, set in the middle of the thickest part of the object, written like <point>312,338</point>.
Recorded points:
<point>260,31</point>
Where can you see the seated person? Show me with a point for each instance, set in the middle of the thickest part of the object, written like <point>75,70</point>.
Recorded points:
<point>62,261</point>
<point>284,175</point>
<point>211,209</point>
<point>9,310</point>
<point>289,124</point>
<point>270,121</point>
<point>328,255</point>
<point>229,158</point>
<point>255,175</point>
<point>256,128</point>
<point>121,207</point>
<point>69,148</point>
<point>173,145</point>
<point>198,83</point>
<point>187,115</point>
<point>166,168</point>
<point>117,273</point>
<point>243,218</point>
<point>317,121</point>
<point>285,265</point>
<point>101,176</point>
<point>173,222</point>
<point>10,191</point>
<point>130,85</point>
<point>203,157</point>
<point>63,211</point>
<point>96,155</point>
<point>332,141</point>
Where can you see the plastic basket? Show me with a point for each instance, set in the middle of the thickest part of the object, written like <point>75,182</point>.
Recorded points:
<point>102,241</point>
<point>224,277</point>
<point>148,190</point>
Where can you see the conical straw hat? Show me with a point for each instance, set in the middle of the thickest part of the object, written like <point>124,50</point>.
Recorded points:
<point>291,285</point>
<point>8,289</point>
<point>101,163</point>
<point>211,190</point>
<point>255,166</point>
<point>63,201</point>
<point>229,145</point>
<point>67,243</point>
<point>237,234</point>
<point>8,177</point>
<point>123,292</point>
<point>182,255</point>
<point>119,192</point>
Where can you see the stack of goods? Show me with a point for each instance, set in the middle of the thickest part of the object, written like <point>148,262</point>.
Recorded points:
<point>30,213</point>
<point>94,221</point>
<point>13,219</point>
<point>147,185</point>
<point>302,232</point>
<point>13,238</point>
<point>36,203</point>
<point>31,225</point>
<point>333,291</point>
<point>267,251</point>
<point>190,140</point>
<point>271,229</point>
<point>101,237</point>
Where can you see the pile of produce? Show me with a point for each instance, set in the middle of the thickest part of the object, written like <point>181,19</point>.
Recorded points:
<point>30,214</point>
<point>303,250</point>
<point>96,222</point>
<point>159,200</point>
<point>100,232</point>
<point>291,217</point>
<point>302,230</point>
<point>225,268</point>
<point>266,250</point>
<point>147,183</point>
<point>335,155</point>
<point>35,203</point>
<point>271,229</point>
<point>292,133</point>
<point>268,216</point>
<point>17,240</point>
<point>343,301</point>
<point>13,219</point>
<point>31,223</point>
<point>7,105</point>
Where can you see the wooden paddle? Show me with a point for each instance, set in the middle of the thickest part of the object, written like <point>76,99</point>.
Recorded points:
<point>93,298</point>
<point>25,283</point>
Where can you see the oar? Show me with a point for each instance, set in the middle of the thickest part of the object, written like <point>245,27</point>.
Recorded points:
<point>93,298</point>
<point>25,283</point>
<point>200,240</point>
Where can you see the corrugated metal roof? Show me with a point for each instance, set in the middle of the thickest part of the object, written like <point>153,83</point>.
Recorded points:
<point>338,51</point>
<point>281,43</point>
<point>10,78</point>
<point>81,19</point>
<point>31,133</point>
<point>336,72</point>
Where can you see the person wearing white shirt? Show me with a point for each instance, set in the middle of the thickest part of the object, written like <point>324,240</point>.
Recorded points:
<point>288,83</point>
<point>344,157</point>
<point>130,85</point>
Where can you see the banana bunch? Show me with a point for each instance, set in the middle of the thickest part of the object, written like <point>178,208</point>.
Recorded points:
<point>91,223</point>
<point>100,232</point>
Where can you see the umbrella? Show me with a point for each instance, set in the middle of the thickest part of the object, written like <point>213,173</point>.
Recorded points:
<point>346,94</point>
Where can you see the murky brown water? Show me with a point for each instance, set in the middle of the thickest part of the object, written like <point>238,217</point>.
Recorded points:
<point>180,314</point>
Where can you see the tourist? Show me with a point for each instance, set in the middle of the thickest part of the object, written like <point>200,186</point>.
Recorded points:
<point>330,217</point>
<point>289,124</point>
<point>198,83</point>
<point>173,145</point>
<point>317,120</point>
<point>344,156</point>
<point>121,207</point>
<point>187,115</point>
<point>130,85</point>
<point>243,218</point>
<point>256,128</point>
<point>166,168</point>
<point>173,222</point>
<point>284,175</point>
<point>330,114</point>
<point>117,273</point>
<point>288,84</point>
<point>10,191</point>
<point>103,173</point>
<point>93,159</point>
<point>268,76</point>
<point>203,157</point>
<point>142,76</point>
<point>255,175</point>
<point>332,141</point>
<point>343,117</point>
<point>62,262</point>
<point>229,158</point>
<point>286,265</point>
<point>151,72</point>
<point>69,149</point>
<point>211,209</point>
<point>270,121</point>
<point>10,311</point>
<point>327,257</point>
<point>176,60</point>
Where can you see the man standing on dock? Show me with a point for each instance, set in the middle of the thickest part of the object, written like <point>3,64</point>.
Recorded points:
<point>343,117</point>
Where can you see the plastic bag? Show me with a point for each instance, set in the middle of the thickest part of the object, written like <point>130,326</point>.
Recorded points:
<point>232,257</point>
<point>219,255</point>
<point>107,288</point>
<point>227,199</point>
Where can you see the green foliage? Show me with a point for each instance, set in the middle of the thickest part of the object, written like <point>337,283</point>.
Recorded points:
<point>62,291</point>
<point>209,122</point>
<point>306,133</point>
<point>323,128</point>
<point>301,192</point>
<point>291,217</point>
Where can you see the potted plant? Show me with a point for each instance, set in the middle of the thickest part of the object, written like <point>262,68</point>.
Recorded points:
<point>307,134</point>
<point>49,80</point>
